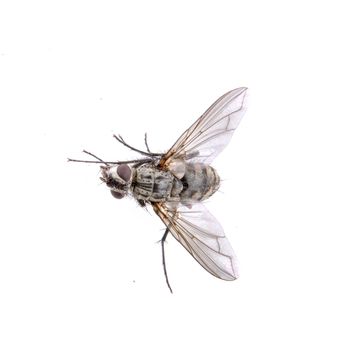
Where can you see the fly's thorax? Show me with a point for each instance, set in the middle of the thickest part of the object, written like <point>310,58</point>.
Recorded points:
<point>200,182</point>
<point>118,178</point>
<point>155,185</point>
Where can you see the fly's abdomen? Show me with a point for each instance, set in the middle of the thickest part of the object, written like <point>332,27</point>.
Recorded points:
<point>152,184</point>
<point>199,182</point>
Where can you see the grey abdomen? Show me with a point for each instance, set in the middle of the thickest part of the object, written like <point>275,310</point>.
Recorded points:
<point>199,182</point>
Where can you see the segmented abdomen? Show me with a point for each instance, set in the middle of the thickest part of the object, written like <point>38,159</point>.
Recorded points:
<point>199,182</point>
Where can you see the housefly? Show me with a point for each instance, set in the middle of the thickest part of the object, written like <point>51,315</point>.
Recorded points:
<point>177,182</point>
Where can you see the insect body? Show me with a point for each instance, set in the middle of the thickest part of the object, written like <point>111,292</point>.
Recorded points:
<point>177,182</point>
<point>146,182</point>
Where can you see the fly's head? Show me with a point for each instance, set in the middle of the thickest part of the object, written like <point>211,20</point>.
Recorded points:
<point>118,178</point>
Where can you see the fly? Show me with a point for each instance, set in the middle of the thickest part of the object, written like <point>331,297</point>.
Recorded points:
<point>177,182</point>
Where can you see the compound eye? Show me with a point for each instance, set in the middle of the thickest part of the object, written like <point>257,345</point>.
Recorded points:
<point>124,172</point>
<point>117,195</point>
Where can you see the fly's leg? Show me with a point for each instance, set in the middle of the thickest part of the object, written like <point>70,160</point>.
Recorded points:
<point>99,160</point>
<point>148,154</point>
<point>92,155</point>
<point>146,143</point>
<point>163,258</point>
<point>141,202</point>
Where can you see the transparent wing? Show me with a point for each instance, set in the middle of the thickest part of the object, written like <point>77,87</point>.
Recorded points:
<point>203,237</point>
<point>210,134</point>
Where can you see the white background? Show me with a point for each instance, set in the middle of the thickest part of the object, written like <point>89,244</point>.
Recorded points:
<point>82,270</point>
